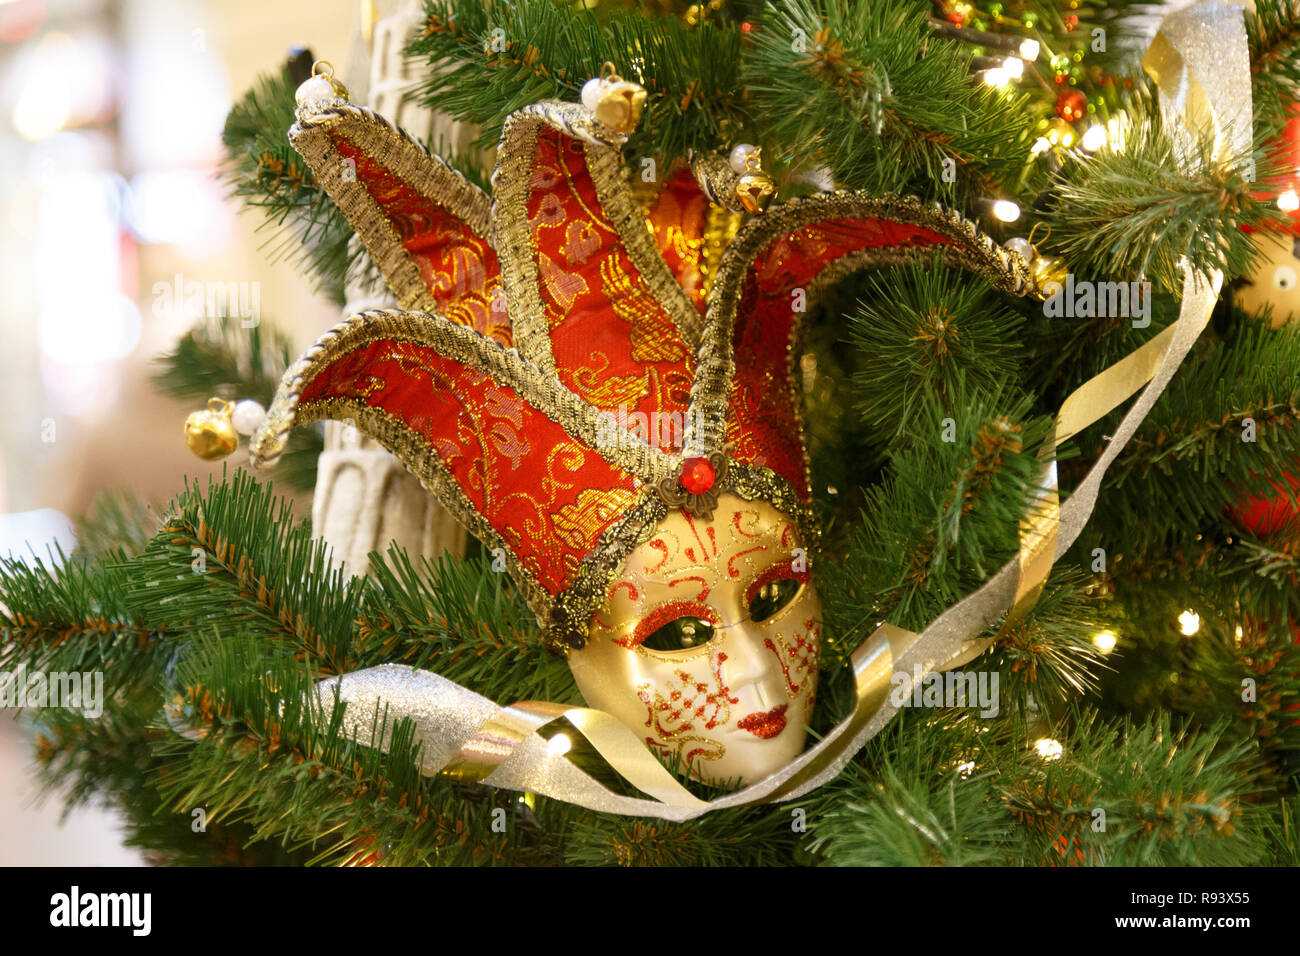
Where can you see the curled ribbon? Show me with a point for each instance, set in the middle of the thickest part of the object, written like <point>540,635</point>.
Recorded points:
<point>1201,64</point>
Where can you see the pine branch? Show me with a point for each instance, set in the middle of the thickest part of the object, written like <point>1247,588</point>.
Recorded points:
<point>269,759</point>
<point>1132,213</point>
<point>489,59</point>
<point>868,91</point>
<point>72,619</point>
<point>266,173</point>
<point>945,533</point>
<point>1049,658</point>
<point>235,557</point>
<point>1273,35</point>
<point>1197,429</point>
<point>221,358</point>
<point>928,332</point>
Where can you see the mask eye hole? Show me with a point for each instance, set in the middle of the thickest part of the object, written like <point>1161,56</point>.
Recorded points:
<point>771,596</point>
<point>681,634</point>
<point>677,626</point>
<point>1284,278</point>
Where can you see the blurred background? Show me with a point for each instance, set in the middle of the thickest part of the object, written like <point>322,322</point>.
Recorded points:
<point>110,146</point>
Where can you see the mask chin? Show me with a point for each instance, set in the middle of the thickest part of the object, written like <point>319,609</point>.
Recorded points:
<point>707,644</point>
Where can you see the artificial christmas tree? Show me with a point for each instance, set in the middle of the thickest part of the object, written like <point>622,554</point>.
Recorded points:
<point>897,440</point>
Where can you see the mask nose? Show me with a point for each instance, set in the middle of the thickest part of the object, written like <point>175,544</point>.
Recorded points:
<point>750,664</point>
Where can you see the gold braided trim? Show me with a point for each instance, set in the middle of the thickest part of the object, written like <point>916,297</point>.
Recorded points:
<point>403,156</point>
<point>706,421</point>
<point>717,180</point>
<point>606,167</point>
<point>506,367</point>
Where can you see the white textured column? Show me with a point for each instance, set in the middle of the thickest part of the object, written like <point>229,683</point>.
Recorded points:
<point>365,498</point>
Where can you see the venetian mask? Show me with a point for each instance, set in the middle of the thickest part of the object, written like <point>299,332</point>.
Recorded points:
<point>608,394</point>
<point>708,642</point>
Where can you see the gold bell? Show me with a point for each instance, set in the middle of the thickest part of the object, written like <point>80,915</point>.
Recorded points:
<point>755,190</point>
<point>1048,269</point>
<point>211,434</point>
<point>616,102</point>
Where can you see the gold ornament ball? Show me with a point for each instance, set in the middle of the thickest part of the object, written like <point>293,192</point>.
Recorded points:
<point>211,434</point>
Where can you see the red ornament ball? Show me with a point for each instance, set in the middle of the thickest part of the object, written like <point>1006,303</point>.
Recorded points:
<point>1265,516</point>
<point>697,475</point>
<point>1071,105</point>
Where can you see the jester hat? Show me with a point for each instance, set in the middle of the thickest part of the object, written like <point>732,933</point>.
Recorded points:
<point>546,330</point>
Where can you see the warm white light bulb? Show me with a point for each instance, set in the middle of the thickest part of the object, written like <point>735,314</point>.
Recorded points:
<point>1042,144</point>
<point>1288,201</point>
<point>1029,49</point>
<point>1104,641</point>
<point>1048,748</point>
<point>1094,138</point>
<point>1189,622</point>
<point>1005,210</point>
<point>1014,66</point>
<point>1115,132</point>
<point>997,76</point>
<point>559,745</point>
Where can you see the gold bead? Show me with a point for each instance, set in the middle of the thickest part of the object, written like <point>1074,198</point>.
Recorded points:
<point>755,192</point>
<point>619,105</point>
<point>211,434</point>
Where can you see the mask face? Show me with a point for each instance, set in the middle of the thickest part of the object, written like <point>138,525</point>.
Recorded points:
<point>708,642</point>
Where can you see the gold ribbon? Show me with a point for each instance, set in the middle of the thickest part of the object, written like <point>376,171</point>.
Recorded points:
<point>1201,64</point>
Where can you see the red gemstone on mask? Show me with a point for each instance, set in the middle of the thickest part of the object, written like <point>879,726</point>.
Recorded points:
<point>697,475</point>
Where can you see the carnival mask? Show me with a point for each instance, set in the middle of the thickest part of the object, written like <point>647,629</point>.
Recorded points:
<point>610,400</point>
<point>708,642</point>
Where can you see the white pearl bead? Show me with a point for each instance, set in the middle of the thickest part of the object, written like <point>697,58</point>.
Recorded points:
<point>248,416</point>
<point>315,92</point>
<point>591,91</point>
<point>1022,248</point>
<point>739,158</point>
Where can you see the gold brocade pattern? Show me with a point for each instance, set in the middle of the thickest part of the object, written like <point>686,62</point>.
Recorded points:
<point>719,231</point>
<point>650,332</point>
<point>594,510</point>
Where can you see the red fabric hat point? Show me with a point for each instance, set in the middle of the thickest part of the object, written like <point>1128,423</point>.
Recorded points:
<point>697,475</point>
